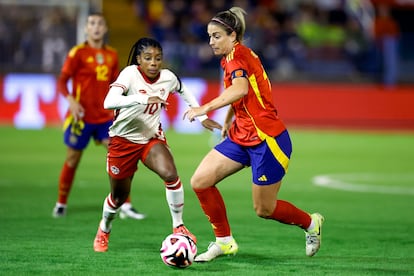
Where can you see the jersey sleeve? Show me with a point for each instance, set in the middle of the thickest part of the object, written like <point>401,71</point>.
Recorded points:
<point>124,78</point>
<point>67,71</point>
<point>71,62</point>
<point>62,84</point>
<point>238,68</point>
<point>191,101</point>
<point>115,65</point>
<point>118,97</point>
<point>182,90</point>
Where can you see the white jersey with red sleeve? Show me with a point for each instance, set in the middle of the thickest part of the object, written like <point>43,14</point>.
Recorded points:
<point>136,120</point>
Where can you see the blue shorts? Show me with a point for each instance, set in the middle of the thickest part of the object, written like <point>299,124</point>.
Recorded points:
<point>269,160</point>
<point>77,135</point>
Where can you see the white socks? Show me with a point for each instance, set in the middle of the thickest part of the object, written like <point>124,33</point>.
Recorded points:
<point>224,240</point>
<point>175,200</point>
<point>108,214</point>
<point>311,226</point>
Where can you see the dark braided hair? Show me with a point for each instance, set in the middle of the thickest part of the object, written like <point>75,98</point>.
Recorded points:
<point>139,46</point>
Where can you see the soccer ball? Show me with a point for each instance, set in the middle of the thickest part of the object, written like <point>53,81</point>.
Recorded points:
<point>178,250</point>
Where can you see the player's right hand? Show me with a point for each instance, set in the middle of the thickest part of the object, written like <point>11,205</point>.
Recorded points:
<point>156,99</point>
<point>77,111</point>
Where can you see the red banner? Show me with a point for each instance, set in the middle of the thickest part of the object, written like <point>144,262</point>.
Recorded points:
<point>31,101</point>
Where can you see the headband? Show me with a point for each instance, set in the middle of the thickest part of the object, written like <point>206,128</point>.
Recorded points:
<point>222,23</point>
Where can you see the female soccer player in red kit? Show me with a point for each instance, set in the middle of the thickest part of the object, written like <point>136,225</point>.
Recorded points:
<point>256,138</point>
<point>92,66</point>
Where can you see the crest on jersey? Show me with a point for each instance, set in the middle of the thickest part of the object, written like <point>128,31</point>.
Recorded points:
<point>162,91</point>
<point>100,58</point>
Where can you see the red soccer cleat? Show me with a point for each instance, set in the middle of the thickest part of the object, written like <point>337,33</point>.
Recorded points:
<point>183,230</point>
<point>100,243</point>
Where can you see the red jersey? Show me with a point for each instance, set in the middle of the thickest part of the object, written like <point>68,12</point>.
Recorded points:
<point>255,114</point>
<point>92,71</point>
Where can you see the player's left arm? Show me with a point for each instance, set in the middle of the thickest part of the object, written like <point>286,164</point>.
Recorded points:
<point>237,90</point>
<point>227,121</point>
<point>192,102</point>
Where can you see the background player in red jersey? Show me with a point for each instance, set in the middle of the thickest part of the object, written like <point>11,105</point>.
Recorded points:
<point>91,66</point>
<point>256,138</point>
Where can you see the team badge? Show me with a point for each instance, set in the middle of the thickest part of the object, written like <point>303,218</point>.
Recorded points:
<point>162,92</point>
<point>114,170</point>
<point>99,58</point>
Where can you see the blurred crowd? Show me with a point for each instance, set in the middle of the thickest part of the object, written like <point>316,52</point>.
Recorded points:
<point>35,38</point>
<point>296,39</point>
<point>333,38</point>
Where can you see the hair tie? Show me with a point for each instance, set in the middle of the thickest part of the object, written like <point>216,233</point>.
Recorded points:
<point>222,23</point>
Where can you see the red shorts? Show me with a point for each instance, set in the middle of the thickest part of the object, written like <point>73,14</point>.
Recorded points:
<point>123,156</point>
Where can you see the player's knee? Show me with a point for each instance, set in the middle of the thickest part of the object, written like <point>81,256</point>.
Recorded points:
<point>263,211</point>
<point>199,182</point>
<point>194,182</point>
<point>119,198</point>
<point>168,175</point>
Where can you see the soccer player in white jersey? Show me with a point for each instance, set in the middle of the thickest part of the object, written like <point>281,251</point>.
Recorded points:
<point>137,98</point>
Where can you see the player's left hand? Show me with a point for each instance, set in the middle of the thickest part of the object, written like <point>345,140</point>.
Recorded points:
<point>211,124</point>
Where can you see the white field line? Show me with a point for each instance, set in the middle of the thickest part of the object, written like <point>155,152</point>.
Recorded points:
<point>354,182</point>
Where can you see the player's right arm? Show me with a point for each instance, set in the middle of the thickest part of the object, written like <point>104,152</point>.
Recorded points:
<point>76,109</point>
<point>116,99</point>
<point>118,96</point>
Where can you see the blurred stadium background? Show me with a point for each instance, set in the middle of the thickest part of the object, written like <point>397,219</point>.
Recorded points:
<point>332,62</point>
<point>329,70</point>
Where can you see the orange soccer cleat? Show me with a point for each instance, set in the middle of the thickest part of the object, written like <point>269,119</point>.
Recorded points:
<point>183,230</point>
<point>100,243</point>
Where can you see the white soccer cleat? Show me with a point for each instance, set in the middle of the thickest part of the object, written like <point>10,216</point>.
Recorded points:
<point>216,249</point>
<point>314,237</point>
<point>59,210</point>
<point>127,211</point>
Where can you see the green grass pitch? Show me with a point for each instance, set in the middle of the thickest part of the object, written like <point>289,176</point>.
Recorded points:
<point>367,232</point>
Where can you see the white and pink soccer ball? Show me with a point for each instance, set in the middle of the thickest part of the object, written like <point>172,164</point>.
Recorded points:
<point>178,250</point>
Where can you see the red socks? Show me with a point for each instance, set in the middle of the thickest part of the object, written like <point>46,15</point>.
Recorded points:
<point>173,185</point>
<point>287,213</point>
<point>212,203</point>
<point>65,183</point>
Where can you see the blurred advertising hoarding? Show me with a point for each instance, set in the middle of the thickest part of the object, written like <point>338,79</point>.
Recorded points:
<point>30,101</point>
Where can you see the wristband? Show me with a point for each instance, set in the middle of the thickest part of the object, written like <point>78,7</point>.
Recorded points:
<point>202,118</point>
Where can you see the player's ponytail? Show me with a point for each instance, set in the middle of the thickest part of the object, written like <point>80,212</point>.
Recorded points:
<point>139,46</point>
<point>233,21</point>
